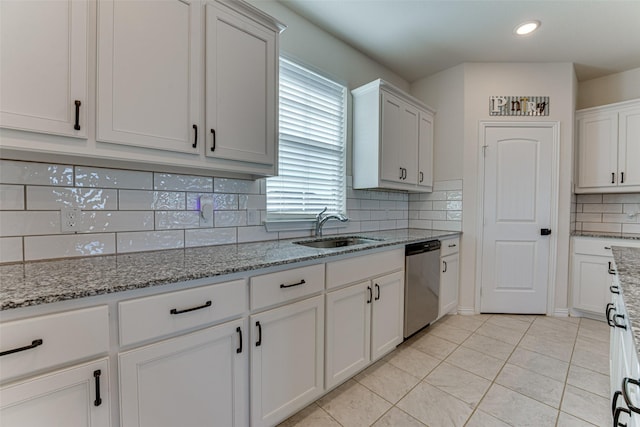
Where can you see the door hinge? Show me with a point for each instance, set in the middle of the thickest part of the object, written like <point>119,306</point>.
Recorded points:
<point>484,150</point>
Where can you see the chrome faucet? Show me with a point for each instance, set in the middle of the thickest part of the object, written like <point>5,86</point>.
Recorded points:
<point>320,220</point>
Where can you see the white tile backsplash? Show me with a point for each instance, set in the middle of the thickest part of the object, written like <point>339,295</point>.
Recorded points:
<point>132,200</point>
<point>29,173</point>
<point>10,249</point>
<point>230,218</point>
<point>174,182</point>
<point>613,213</point>
<point>150,240</point>
<point>177,219</point>
<point>28,223</point>
<point>210,236</point>
<point>55,198</point>
<point>441,209</point>
<point>116,221</point>
<point>68,245</point>
<point>227,185</point>
<point>113,178</point>
<point>11,197</point>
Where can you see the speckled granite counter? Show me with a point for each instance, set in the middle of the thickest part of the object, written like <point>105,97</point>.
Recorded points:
<point>628,267</point>
<point>630,236</point>
<point>33,283</point>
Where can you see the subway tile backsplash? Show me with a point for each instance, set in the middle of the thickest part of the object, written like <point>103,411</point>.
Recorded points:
<point>126,211</point>
<point>612,213</point>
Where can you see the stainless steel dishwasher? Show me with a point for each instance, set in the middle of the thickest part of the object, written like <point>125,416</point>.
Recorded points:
<point>421,285</point>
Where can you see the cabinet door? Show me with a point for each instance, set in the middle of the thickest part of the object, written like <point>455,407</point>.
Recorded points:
<point>287,360</point>
<point>591,281</point>
<point>193,380</point>
<point>43,57</point>
<point>387,315</point>
<point>598,150</point>
<point>391,124</point>
<point>241,82</point>
<point>348,332</point>
<point>74,397</point>
<point>148,89</point>
<point>425,151</point>
<point>629,147</point>
<point>448,284</point>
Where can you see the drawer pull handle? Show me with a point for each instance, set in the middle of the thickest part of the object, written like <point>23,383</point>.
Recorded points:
<point>610,270</point>
<point>614,289</point>
<point>608,248</point>
<point>614,402</point>
<point>239,331</point>
<point>301,282</point>
<point>377,292</point>
<point>96,377</point>
<point>34,344</point>
<point>610,307</point>
<point>619,325</point>
<point>259,342</point>
<point>616,416</point>
<point>453,245</point>
<point>625,394</point>
<point>200,307</point>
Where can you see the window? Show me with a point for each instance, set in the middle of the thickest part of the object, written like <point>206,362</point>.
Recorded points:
<point>312,146</point>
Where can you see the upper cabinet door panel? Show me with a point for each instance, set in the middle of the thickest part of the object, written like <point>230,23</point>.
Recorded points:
<point>425,151</point>
<point>597,150</point>
<point>629,147</point>
<point>241,82</point>
<point>391,124</point>
<point>149,73</point>
<point>43,60</point>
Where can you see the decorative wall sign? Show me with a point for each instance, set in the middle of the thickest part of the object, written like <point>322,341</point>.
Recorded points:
<point>519,105</point>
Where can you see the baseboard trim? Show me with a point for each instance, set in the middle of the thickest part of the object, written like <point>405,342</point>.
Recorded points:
<point>466,311</point>
<point>561,312</point>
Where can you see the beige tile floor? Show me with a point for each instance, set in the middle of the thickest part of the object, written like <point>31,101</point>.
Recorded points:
<point>480,371</point>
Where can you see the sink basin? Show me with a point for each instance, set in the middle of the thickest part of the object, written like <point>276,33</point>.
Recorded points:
<point>336,242</point>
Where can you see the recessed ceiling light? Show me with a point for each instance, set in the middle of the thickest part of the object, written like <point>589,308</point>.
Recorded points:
<point>526,28</point>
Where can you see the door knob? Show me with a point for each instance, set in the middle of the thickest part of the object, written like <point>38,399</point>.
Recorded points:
<point>545,231</point>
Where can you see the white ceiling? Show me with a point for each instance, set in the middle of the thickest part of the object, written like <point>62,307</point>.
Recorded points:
<point>417,38</point>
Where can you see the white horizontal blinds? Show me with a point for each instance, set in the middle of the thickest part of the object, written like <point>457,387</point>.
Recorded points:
<point>312,146</point>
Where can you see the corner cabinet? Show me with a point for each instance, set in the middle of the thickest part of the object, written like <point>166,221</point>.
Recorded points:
<point>44,55</point>
<point>608,145</point>
<point>392,139</point>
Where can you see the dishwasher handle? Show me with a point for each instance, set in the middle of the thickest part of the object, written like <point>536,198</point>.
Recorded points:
<point>422,247</point>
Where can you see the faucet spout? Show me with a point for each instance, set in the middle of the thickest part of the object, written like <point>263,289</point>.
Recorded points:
<point>320,220</point>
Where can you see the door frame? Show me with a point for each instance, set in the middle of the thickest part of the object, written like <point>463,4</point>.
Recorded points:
<point>555,192</point>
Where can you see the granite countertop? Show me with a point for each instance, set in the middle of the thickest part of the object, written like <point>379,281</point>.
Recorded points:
<point>630,236</point>
<point>33,283</point>
<point>628,268</point>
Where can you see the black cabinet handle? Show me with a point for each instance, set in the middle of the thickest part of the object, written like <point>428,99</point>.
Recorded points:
<point>195,138</point>
<point>77,125</point>
<point>421,176</point>
<point>213,143</point>
<point>200,307</point>
<point>619,325</point>
<point>616,416</point>
<point>614,289</point>
<point>621,177</point>
<point>259,342</point>
<point>377,292</point>
<point>96,377</point>
<point>613,177</point>
<point>614,401</point>
<point>453,245</point>
<point>370,294</point>
<point>34,344</point>
<point>401,173</point>
<point>625,394</point>
<point>610,307</point>
<point>608,247</point>
<point>239,331</point>
<point>301,282</point>
<point>405,174</point>
<point>445,266</point>
<point>610,270</point>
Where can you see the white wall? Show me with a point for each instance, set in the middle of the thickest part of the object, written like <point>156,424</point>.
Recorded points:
<point>444,91</point>
<point>609,89</point>
<point>481,81</point>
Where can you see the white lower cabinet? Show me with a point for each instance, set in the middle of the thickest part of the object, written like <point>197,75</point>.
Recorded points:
<point>193,380</point>
<point>287,360</point>
<point>449,276</point>
<point>73,397</point>
<point>364,322</point>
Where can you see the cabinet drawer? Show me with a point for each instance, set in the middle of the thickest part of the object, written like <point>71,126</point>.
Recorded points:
<point>356,269</point>
<point>449,246</point>
<point>53,340</point>
<point>600,247</point>
<point>150,317</point>
<point>274,288</point>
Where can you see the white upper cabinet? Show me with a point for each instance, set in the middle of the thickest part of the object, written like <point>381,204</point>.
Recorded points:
<point>241,82</point>
<point>392,139</point>
<point>609,148</point>
<point>149,74</point>
<point>44,68</point>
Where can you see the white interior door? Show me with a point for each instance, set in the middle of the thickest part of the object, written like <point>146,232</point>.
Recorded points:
<point>518,193</point>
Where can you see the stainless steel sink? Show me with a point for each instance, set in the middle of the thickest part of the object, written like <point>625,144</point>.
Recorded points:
<point>336,242</point>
